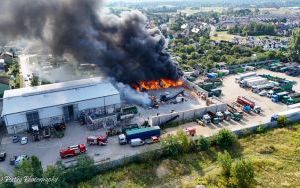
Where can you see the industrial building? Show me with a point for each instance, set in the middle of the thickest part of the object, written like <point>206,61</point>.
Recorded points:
<point>47,105</point>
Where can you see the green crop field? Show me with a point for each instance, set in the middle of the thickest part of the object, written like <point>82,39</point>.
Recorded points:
<point>275,156</point>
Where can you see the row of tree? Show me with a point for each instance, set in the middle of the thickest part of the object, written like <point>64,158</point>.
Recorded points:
<point>253,29</point>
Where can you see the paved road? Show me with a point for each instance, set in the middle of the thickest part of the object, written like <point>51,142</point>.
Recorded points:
<point>25,69</point>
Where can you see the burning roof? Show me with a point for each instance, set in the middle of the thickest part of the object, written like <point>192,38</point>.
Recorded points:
<point>157,84</point>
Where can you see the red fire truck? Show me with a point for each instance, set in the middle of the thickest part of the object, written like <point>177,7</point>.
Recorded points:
<point>97,140</point>
<point>72,151</point>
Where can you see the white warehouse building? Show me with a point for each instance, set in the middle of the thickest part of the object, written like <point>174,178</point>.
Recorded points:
<point>56,103</point>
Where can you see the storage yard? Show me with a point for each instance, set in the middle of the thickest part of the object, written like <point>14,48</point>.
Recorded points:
<point>201,107</point>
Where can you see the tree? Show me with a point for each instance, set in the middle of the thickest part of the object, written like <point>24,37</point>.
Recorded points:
<point>225,139</point>
<point>225,161</point>
<point>243,174</point>
<point>55,172</point>
<point>84,170</point>
<point>203,143</point>
<point>282,120</point>
<point>34,81</point>
<point>294,45</point>
<point>37,169</point>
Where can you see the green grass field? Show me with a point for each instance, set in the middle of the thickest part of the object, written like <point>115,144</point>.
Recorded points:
<point>275,156</point>
<point>223,35</point>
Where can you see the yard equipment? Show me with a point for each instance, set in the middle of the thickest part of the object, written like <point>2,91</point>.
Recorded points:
<point>170,97</point>
<point>73,151</point>
<point>200,122</point>
<point>113,132</point>
<point>97,140</point>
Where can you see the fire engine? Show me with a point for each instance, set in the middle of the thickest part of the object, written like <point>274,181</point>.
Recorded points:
<point>94,140</point>
<point>73,151</point>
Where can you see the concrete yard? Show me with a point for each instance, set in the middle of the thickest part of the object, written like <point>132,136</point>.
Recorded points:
<point>230,91</point>
<point>47,150</point>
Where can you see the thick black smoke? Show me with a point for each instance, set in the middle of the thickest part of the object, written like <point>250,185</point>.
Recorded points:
<point>121,45</point>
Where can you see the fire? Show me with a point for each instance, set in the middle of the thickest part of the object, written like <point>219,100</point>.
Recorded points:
<point>157,84</point>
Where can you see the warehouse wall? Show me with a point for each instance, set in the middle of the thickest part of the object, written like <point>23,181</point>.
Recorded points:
<point>187,115</point>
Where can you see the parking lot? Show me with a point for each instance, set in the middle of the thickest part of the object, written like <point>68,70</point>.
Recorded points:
<point>230,91</point>
<point>47,150</point>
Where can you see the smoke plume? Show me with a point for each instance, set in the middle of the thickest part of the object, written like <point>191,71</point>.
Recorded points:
<point>122,46</point>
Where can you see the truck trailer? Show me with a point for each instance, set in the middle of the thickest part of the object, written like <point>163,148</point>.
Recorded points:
<point>254,82</point>
<point>142,133</point>
<point>245,75</point>
<point>292,115</point>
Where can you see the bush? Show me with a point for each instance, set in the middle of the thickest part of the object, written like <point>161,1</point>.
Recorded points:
<point>203,143</point>
<point>282,120</point>
<point>267,149</point>
<point>225,139</point>
<point>243,174</point>
<point>225,161</point>
<point>260,129</point>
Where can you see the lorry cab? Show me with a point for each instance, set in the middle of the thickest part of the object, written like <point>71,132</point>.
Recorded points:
<point>136,142</point>
<point>227,115</point>
<point>206,119</point>
<point>122,139</point>
<point>220,116</point>
<point>257,109</point>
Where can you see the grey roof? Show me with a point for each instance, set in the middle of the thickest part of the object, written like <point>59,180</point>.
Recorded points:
<point>30,98</point>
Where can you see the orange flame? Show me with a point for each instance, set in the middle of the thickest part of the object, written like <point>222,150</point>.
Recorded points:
<point>157,84</point>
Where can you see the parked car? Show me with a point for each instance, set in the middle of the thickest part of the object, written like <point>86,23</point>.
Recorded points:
<point>2,156</point>
<point>136,142</point>
<point>263,93</point>
<point>16,139</point>
<point>20,159</point>
<point>24,140</point>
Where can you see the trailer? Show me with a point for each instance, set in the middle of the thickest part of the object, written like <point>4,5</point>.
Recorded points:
<point>215,92</point>
<point>248,102</point>
<point>259,88</point>
<point>292,115</point>
<point>245,75</point>
<point>254,82</point>
<point>142,133</point>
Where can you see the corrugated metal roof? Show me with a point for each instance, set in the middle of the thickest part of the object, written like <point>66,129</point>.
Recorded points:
<point>30,98</point>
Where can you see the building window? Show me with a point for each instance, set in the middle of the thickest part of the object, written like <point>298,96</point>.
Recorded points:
<point>33,118</point>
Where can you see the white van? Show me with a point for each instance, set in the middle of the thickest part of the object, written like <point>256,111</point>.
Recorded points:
<point>136,142</point>
<point>122,139</point>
